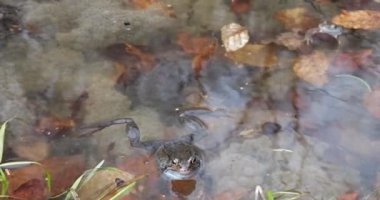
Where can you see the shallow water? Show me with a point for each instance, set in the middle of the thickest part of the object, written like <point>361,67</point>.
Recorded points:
<point>328,142</point>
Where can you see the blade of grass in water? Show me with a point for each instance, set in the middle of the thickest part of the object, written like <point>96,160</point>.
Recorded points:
<point>2,136</point>
<point>79,181</point>
<point>4,182</point>
<point>123,191</point>
<point>269,195</point>
<point>18,164</point>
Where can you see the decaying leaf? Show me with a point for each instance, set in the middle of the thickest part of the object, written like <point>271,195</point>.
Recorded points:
<point>200,47</point>
<point>312,68</point>
<point>52,125</point>
<point>234,36</point>
<point>146,59</point>
<point>240,6</point>
<point>103,182</point>
<point>349,196</point>
<point>34,189</point>
<point>144,4</point>
<point>298,18</point>
<point>255,55</point>
<point>358,19</point>
<point>372,102</point>
<point>67,168</point>
<point>290,40</point>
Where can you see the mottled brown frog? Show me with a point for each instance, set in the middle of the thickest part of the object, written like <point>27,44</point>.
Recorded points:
<point>176,159</point>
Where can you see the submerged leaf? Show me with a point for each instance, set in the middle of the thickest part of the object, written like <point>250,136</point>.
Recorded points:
<point>255,55</point>
<point>234,36</point>
<point>144,4</point>
<point>312,68</point>
<point>52,125</point>
<point>200,47</point>
<point>298,18</point>
<point>240,6</point>
<point>358,19</point>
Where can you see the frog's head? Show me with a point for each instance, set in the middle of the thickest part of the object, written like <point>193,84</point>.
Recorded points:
<point>179,160</point>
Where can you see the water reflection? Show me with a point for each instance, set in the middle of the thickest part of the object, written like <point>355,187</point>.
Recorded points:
<point>280,127</point>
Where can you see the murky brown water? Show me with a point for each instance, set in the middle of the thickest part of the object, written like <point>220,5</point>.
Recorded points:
<point>329,140</point>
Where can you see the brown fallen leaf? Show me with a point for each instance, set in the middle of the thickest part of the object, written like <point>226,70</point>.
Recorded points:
<point>290,40</point>
<point>372,102</point>
<point>165,8</point>
<point>102,183</point>
<point>349,196</point>
<point>52,125</point>
<point>200,47</point>
<point>234,36</point>
<point>63,170</point>
<point>298,18</point>
<point>240,6</point>
<point>312,68</point>
<point>358,19</point>
<point>77,105</point>
<point>255,55</point>
<point>147,60</point>
<point>34,189</point>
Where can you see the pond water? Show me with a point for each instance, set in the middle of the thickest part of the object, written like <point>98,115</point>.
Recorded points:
<point>79,62</point>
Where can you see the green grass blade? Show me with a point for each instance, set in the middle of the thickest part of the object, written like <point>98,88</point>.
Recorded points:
<point>18,164</point>
<point>123,191</point>
<point>48,179</point>
<point>4,182</point>
<point>269,195</point>
<point>92,172</point>
<point>87,175</point>
<point>2,137</point>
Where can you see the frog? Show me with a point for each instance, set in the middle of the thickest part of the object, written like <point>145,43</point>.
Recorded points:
<point>176,159</point>
<point>328,28</point>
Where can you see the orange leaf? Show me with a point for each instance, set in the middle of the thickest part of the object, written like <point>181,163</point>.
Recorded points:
<point>358,19</point>
<point>255,55</point>
<point>349,196</point>
<point>52,125</point>
<point>34,189</point>
<point>64,170</point>
<point>146,59</point>
<point>297,18</point>
<point>144,4</point>
<point>201,47</point>
<point>240,6</point>
<point>312,68</point>
<point>290,40</point>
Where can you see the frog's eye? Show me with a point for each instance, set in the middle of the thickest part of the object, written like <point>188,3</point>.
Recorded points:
<point>175,161</point>
<point>192,160</point>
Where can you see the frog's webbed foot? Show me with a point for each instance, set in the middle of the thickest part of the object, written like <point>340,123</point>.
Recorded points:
<point>187,117</point>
